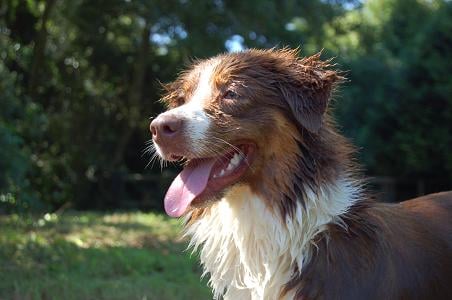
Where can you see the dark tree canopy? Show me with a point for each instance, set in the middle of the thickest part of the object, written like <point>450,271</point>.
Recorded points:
<point>79,80</point>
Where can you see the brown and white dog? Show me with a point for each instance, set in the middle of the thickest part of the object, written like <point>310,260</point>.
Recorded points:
<point>271,195</point>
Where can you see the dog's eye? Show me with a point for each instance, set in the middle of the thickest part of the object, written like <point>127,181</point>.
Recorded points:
<point>229,94</point>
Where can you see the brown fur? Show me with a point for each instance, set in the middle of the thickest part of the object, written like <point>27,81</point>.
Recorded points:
<point>400,251</point>
<point>389,251</point>
<point>275,88</point>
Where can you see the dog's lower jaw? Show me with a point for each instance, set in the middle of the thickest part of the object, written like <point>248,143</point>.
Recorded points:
<point>250,252</point>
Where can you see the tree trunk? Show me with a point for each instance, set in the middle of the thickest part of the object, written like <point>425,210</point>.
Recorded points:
<point>39,49</point>
<point>135,95</point>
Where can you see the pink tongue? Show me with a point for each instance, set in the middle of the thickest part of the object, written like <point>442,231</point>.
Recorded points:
<point>187,186</point>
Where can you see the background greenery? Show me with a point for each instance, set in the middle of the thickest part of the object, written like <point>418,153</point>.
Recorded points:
<point>79,80</point>
<point>97,256</point>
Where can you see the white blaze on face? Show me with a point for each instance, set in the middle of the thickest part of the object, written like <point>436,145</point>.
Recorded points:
<point>197,122</point>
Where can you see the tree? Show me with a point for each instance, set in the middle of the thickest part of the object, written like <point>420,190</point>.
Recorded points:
<point>80,85</point>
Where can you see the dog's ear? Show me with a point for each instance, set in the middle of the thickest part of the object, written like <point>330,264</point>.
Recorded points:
<point>307,90</point>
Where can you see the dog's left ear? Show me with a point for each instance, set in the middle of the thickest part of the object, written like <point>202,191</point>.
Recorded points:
<point>308,88</point>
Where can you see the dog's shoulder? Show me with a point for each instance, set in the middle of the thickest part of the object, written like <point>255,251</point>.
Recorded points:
<point>382,251</point>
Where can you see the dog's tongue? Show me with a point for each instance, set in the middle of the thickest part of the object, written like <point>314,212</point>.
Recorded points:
<point>187,186</point>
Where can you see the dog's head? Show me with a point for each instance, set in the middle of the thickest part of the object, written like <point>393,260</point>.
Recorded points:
<point>256,117</point>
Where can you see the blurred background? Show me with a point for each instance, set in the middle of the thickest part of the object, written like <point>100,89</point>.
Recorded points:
<point>79,81</point>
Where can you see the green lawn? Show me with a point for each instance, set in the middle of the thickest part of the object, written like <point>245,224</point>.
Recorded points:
<point>96,256</point>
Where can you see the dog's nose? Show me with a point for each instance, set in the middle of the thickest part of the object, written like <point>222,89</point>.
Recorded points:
<point>165,127</point>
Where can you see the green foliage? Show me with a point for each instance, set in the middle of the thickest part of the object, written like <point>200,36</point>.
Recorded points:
<point>398,105</point>
<point>16,162</point>
<point>96,256</point>
<point>78,86</point>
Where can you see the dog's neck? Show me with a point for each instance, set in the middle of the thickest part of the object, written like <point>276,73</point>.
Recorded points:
<point>250,251</point>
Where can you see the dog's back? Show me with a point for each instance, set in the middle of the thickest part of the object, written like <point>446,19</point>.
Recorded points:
<point>387,251</point>
<point>434,211</point>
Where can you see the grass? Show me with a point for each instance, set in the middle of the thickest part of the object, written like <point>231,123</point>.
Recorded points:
<point>96,256</point>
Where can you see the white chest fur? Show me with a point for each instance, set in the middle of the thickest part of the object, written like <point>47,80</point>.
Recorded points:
<point>250,252</point>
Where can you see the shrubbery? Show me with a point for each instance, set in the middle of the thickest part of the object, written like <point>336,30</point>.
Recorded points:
<point>79,79</point>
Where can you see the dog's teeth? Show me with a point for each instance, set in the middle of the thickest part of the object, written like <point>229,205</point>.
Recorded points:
<point>235,159</point>
<point>233,163</point>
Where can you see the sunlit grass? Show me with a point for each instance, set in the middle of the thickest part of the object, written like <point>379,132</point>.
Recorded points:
<point>96,256</point>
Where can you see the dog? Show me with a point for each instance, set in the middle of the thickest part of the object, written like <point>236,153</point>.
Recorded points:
<point>271,195</point>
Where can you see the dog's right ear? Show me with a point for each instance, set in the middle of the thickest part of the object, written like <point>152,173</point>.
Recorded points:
<point>307,90</point>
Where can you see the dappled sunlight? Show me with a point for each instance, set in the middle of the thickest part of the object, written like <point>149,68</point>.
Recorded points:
<point>101,230</point>
<point>80,82</point>
<point>105,256</point>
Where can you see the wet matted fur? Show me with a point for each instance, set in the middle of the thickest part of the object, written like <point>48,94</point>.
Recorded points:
<point>297,223</point>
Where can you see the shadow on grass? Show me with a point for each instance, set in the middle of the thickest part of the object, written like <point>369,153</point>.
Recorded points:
<point>122,221</point>
<point>44,263</point>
